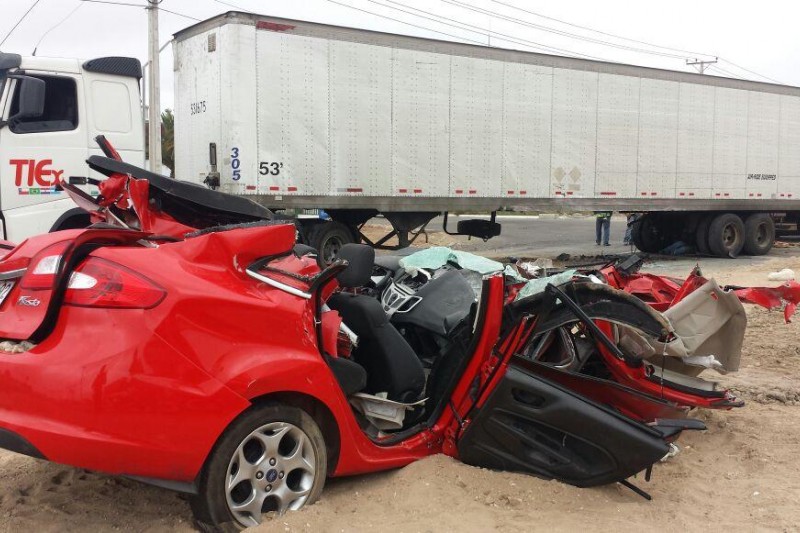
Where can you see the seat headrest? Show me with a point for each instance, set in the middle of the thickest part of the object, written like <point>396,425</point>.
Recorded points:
<point>360,259</point>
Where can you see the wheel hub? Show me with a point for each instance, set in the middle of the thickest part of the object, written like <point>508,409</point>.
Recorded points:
<point>272,470</point>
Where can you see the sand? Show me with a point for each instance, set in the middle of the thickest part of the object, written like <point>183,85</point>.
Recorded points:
<point>742,474</point>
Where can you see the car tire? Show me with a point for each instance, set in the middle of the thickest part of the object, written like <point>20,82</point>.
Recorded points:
<point>327,238</point>
<point>759,234</point>
<point>285,466</point>
<point>701,235</point>
<point>726,235</point>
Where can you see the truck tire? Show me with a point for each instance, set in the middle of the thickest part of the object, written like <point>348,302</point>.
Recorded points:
<point>726,235</point>
<point>759,234</point>
<point>646,235</point>
<point>701,235</point>
<point>327,238</point>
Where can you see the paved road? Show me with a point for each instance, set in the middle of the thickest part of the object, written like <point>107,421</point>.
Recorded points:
<point>549,236</point>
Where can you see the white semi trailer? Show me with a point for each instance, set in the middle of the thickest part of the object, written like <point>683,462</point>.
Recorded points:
<point>303,115</point>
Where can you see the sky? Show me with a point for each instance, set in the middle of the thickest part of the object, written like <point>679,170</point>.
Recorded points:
<point>753,40</point>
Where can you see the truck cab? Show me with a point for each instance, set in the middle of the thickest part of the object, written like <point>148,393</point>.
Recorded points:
<point>50,112</point>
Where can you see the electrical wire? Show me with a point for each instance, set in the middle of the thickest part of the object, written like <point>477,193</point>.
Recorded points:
<point>751,71</point>
<point>689,52</point>
<point>726,73</point>
<point>18,22</point>
<point>548,29</point>
<point>127,4</point>
<point>180,14</point>
<point>406,23</point>
<point>240,8</point>
<point>59,23</point>
<point>515,20</point>
<point>639,42</point>
<point>483,31</point>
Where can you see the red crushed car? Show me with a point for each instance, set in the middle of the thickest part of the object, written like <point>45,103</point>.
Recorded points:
<point>185,340</point>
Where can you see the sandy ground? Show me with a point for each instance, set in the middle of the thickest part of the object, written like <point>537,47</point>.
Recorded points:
<point>741,475</point>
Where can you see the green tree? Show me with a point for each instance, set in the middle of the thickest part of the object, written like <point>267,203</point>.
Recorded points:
<point>168,140</point>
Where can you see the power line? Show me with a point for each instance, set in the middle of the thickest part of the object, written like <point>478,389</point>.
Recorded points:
<point>240,8</point>
<point>180,14</point>
<point>127,4</point>
<point>601,32</point>
<point>751,72</point>
<point>406,23</point>
<point>481,30</point>
<point>18,22</point>
<point>639,42</point>
<point>556,31</point>
<point>59,23</point>
<point>727,73</point>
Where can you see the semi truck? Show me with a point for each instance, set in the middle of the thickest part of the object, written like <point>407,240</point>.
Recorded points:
<point>299,115</point>
<point>50,112</point>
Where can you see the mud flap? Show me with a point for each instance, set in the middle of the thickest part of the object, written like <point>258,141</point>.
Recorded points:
<point>533,425</point>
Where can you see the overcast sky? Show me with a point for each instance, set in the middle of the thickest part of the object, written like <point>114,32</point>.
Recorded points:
<point>759,36</point>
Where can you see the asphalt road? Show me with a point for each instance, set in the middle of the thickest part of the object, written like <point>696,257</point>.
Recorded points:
<point>551,236</point>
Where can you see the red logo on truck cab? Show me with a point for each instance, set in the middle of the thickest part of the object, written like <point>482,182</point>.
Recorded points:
<point>38,173</point>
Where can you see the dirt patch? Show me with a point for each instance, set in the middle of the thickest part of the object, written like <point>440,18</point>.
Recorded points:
<point>742,474</point>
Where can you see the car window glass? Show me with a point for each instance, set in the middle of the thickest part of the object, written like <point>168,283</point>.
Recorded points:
<point>60,107</point>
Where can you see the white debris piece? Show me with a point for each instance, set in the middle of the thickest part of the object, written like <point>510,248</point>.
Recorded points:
<point>787,274</point>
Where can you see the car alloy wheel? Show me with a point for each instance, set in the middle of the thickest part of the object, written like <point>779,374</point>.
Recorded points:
<point>272,470</point>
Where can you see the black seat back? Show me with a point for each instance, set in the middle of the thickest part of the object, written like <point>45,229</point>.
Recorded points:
<point>360,260</point>
<point>391,364</point>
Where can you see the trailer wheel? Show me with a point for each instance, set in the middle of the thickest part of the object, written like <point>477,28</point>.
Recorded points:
<point>328,238</point>
<point>646,235</point>
<point>726,235</point>
<point>759,234</point>
<point>701,235</point>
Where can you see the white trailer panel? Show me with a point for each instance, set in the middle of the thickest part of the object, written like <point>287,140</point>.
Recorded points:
<point>527,97</point>
<point>322,116</point>
<point>476,127</point>
<point>292,114</point>
<point>617,136</point>
<point>574,118</point>
<point>360,110</point>
<point>420,124</point>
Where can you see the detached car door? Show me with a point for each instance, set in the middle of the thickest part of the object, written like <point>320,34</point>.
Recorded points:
<point>529,423</point>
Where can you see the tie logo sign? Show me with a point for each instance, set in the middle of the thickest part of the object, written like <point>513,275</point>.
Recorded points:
<point>38,172</point>
<point>39,176</point>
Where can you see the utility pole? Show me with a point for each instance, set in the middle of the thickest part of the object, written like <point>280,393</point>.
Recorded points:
<point>701,66</point>
<point>154,87</point>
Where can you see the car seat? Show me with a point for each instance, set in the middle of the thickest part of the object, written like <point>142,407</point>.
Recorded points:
<point>391,364</point>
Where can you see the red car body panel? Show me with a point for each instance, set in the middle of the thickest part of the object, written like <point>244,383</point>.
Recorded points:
<point>158,386</point>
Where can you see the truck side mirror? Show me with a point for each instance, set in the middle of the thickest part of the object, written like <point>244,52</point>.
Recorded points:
<point>30,98</point>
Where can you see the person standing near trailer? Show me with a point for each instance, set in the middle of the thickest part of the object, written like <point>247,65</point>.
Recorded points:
<point>602,227</point>
<point>631,219</point>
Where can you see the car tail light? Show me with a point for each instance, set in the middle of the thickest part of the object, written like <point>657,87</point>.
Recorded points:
<point>43,267</point>
<point>102,283</point>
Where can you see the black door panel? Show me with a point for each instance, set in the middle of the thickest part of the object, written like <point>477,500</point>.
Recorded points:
<point>530,424</point>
